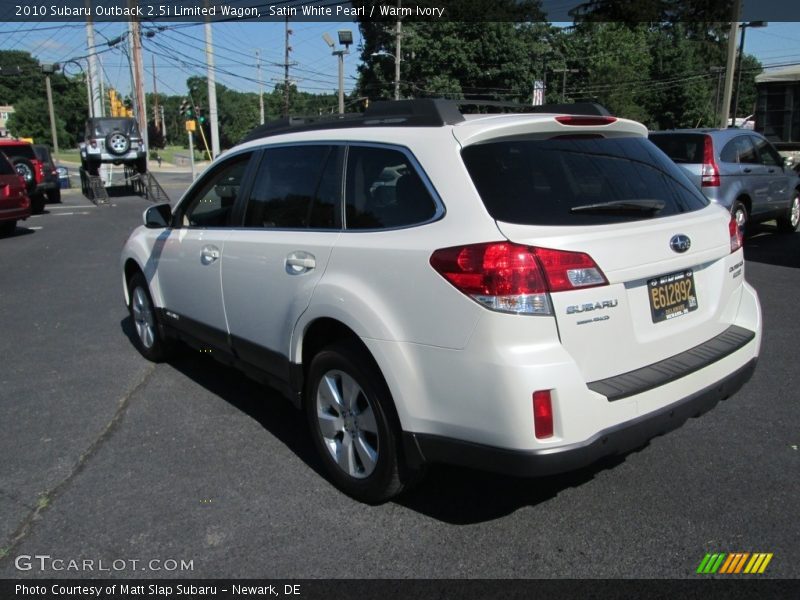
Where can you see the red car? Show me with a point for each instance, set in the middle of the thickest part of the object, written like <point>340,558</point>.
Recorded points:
<point>28,165</point>
<point>14,201</point>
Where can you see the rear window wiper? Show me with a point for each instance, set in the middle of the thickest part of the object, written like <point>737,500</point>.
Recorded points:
<point>621,206</point>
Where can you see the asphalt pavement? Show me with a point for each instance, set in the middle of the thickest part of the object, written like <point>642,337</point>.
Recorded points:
<point>190,465</point>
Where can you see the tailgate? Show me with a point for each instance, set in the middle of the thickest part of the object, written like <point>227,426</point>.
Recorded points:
<point>658,302</point>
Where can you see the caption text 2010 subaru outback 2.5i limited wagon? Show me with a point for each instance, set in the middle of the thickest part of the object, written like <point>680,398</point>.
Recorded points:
<point>523,293</point>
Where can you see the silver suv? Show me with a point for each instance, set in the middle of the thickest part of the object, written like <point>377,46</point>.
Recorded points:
<point>113,140</point>
<point>738,169</point>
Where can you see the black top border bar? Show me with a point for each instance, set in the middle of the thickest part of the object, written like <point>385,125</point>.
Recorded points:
<point>216,11</point>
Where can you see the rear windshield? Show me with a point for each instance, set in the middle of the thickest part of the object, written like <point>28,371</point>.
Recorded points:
<point>106,126</point>
<point>579,180</point>
<point>681,147</point>
<point>5,166</point>
<point>42,153</point>
<point>14,150</point>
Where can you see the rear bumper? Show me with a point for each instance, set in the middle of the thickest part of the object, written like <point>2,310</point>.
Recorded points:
<point>616,440</point>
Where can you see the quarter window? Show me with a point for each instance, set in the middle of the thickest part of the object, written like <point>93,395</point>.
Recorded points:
<point>296,187</point>
<point>384,190</point>
<point>213,204</point>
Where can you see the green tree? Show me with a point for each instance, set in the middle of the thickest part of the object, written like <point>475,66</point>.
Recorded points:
<point>22,85</point>
<point>453,59</point>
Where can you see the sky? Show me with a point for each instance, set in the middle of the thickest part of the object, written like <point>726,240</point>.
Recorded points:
<point>178,52</point>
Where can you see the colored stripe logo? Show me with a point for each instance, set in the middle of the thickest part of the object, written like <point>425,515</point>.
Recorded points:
<point>734,563</point>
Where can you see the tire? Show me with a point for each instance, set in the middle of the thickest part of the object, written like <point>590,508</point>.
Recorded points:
<point>356,434</point>
<point>117,143</point>
<point>54,196</point>
<point>739,212</point>
<point>148,337</point>
<point>37,203</point>
<point>8,227</point>
<point>788,222</point>
<point>24,168</point>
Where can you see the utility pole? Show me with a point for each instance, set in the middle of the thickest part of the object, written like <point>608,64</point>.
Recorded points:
<point>212,91</point>
<point>164,125</point>
<point>287,49</point>
<point>260,88</point>
<point>95,95</point>
<point>726,95</point>
<point>49,69</point>
<point>140,106</point>
<point>156,112</point>
<point>398,34</point>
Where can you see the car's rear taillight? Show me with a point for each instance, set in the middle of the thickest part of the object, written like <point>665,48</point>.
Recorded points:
<point>709,175</point>
<point>512,278</point>
<point>542,414</point>
<point>737,236</point>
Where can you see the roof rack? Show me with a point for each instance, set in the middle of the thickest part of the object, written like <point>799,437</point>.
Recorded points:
<point>422,112</point>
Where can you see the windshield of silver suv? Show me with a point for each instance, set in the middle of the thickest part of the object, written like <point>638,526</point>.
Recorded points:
<point>578,180</point>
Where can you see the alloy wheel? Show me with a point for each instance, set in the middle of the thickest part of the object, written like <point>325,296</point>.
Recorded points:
<point>347,423</point>
<point>143,318</point>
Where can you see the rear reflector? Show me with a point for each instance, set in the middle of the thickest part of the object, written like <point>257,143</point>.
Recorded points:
<point>512,278</point>
<point>542,414</point>
<point>709,174</point>
<point>737,236</point>
<point>585,121</point>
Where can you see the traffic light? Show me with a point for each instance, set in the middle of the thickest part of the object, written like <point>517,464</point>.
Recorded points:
<point>184,110</point>
<point>201,114</point>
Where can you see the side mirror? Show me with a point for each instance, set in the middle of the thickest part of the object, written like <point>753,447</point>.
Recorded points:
<point>157,216</point>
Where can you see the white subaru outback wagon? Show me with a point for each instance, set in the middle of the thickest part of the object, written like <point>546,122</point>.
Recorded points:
<point>523,293</point>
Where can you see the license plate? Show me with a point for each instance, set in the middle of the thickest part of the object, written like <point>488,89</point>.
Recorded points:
<point>672,295</point>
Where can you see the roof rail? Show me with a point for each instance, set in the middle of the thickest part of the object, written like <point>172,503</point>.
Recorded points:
<point>421,112</point>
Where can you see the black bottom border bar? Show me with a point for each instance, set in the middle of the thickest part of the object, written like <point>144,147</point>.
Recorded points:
<point>387,589</point>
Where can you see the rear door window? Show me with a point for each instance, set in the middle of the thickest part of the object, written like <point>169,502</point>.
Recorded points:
<point>578,180</point>
<point>296,187</point>
<point>768,155</point>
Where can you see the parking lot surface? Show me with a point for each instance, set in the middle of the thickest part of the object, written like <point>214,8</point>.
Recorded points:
<point>189,464</point>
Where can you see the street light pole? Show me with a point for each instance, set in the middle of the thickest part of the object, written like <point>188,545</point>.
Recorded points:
<point>340,54</point>
<point>345,39</point>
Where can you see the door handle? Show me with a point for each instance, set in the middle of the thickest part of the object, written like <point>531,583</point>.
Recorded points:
<point>300,262</point>
<point>209,254</point>
<point>747,170</point>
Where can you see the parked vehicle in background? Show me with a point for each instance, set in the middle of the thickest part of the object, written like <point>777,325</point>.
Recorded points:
<point>738,169</point>
<point>524,293</point>
<point>50,185</point>
<point>30,168</point>
<point>114,140</point>
<point>14,202</point>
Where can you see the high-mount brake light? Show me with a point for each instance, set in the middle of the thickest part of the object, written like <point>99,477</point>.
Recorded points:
<point>579,121</point>
<point>513,278</point>
<point>709,175</point>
